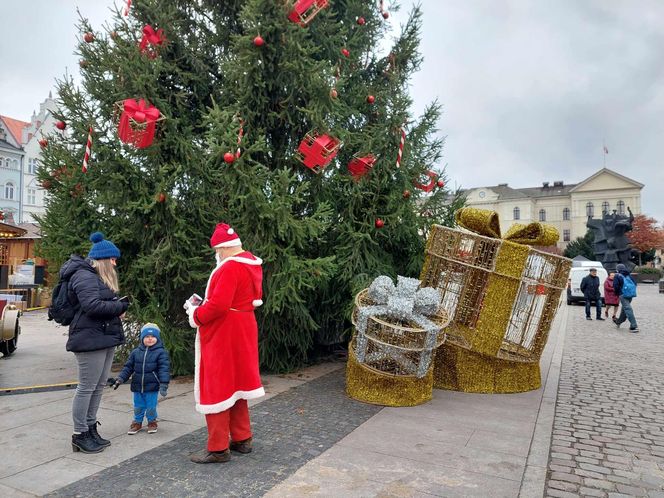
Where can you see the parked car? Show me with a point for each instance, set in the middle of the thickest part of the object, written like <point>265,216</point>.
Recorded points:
<point>10,328</point>
<point>576,274</point>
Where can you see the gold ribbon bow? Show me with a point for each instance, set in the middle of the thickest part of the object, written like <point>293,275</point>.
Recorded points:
<point>485,222</point>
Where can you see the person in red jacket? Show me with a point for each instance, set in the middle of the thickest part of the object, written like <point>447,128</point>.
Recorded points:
<point>226,368</point>
<point>610,297</point>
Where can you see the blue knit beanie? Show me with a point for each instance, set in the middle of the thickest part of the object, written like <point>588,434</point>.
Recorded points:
<point>150,329</point>
<point>102,248</point>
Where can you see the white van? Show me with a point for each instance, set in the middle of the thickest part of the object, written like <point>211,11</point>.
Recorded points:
<point>576,274</point>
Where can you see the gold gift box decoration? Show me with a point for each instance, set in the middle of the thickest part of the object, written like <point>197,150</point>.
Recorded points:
<point>390,355</point>
<point>502,296</point>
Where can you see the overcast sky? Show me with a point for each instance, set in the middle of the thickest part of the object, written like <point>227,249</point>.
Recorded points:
<point>531,90</point>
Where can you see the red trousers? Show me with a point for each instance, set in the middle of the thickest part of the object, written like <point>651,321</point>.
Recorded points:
<point>234,421</point>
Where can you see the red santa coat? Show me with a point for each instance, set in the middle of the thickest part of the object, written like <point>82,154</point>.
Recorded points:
<point>227,337</point>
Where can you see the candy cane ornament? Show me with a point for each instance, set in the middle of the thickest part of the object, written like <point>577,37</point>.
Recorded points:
<point>383,12</point>
<point>402,142</point>
<point>239,138</point>
<point>88,148</point>
<point>126,9</point>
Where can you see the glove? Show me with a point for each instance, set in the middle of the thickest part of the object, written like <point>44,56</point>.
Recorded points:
<point>118,381</point>
<point>163,390</point>
<point>190,313</point>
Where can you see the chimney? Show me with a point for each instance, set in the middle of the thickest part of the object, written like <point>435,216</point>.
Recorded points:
<point>502,184</point>
<point>558,184</point>
<point>545,184</point>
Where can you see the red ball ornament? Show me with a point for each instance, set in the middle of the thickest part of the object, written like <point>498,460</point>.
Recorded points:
<point>88,37</point>
<point>259,41</point>
<point>229,157</point>
<point>379,223</point>
<point>333,93</point>
<point>345,52</point>
<point>371,99</point>
<point>386,15</point>
<point>406,194</point>
<point>440,183</point>
<point>60,125</point>
<point>161,197</point>
<point>361,21</point>
<point>43,143</point>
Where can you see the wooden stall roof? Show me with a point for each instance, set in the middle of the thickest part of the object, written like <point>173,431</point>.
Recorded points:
<point>8,231</point>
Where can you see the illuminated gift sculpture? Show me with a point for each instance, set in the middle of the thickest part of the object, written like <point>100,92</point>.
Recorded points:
<point>502,296</point>
<point>397,331</point>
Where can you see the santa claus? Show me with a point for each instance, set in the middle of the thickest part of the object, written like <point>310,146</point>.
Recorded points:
<point>227,374</point>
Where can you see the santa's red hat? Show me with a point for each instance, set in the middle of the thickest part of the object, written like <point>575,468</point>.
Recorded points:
<point>224,236</point>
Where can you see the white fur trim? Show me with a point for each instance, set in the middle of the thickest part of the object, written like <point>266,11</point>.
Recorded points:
<point>226,404</point>
<point>230,231</point>
<point>190,312</point>
<point>230,243</point>
<point>258,261</point>
<point>197,365</point>
<point>257,303</point>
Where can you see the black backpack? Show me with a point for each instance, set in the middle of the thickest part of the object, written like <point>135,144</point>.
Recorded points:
<point>61,309</point>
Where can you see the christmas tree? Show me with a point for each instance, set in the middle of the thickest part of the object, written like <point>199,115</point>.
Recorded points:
<point>265,110</point>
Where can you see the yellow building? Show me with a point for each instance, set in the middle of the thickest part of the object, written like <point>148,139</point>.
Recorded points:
<point>566,206</point>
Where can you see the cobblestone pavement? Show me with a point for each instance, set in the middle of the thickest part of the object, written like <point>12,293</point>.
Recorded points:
<point>608,434</point>
<point>289,430</point>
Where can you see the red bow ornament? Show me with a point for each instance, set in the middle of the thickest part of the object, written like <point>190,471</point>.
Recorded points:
<point>138,123</point>
<point>151,40</point>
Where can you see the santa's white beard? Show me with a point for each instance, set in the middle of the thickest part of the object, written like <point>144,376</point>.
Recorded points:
<point>218,258</point>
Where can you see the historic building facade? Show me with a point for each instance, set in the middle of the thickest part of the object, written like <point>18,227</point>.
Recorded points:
<point>566,206</point>
<point>20,156</point>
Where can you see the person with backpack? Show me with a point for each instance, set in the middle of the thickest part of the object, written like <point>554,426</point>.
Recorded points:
<point>625,288</point>
<point>90,287</point>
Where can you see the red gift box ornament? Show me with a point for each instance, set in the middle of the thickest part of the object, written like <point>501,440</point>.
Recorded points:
<point>317,151</point>
<point>429,186</point>
<point>361,165</point>
<point>151,41</point>
<point>138,122</point>
<point>304,11</point>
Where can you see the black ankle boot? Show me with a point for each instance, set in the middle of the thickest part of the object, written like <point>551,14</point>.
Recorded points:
<point>95,435</point>
<point>85,442</point>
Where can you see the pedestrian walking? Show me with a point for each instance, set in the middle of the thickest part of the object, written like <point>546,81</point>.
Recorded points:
<point>149,367</point>
<point>94,332</point>
<point>226,361</point>
<point>590,289</point>
<point>611,299</point>
<point>625,288</point>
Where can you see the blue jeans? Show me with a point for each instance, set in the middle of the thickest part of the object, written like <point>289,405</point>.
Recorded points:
<point>626,312</point>
<point>145,405</point>
<point>598,305</point>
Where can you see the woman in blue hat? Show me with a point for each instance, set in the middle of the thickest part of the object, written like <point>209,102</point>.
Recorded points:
<point>94,332</point>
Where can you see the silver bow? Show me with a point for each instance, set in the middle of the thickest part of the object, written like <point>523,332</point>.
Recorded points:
<point>403,302</point>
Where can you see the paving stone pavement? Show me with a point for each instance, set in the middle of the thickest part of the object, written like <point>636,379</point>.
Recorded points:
<point>287,434</point>
<point>608,433</point>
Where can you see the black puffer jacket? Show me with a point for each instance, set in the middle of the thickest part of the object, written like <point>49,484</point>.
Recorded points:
<point>96,325</point>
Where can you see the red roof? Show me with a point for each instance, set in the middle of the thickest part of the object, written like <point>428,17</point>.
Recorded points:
<point>15,127</point>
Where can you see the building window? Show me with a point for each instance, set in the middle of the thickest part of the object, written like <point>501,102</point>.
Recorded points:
<point>9,191</point>
<point>605,207</point>
<point>517,213</point>
<point>8,163</point>
<point>542,215</point>
<point>566,214</point>
<point>32,196</point>
<point>566,235</point>
<point>32,166</point>
<point>621,207</point>
<point>590,209</point>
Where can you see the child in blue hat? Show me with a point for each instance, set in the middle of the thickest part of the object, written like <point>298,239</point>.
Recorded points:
<point>149,367</point>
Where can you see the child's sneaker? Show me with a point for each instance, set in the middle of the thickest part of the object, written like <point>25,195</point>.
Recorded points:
<point>152,427</point>
<point>134,428</point>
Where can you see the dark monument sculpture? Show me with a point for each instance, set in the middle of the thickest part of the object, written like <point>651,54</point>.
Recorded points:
<point>611,245</point>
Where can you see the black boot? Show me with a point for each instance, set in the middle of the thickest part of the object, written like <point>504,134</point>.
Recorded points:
<point>95,435</point>
<point>85,442</point>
